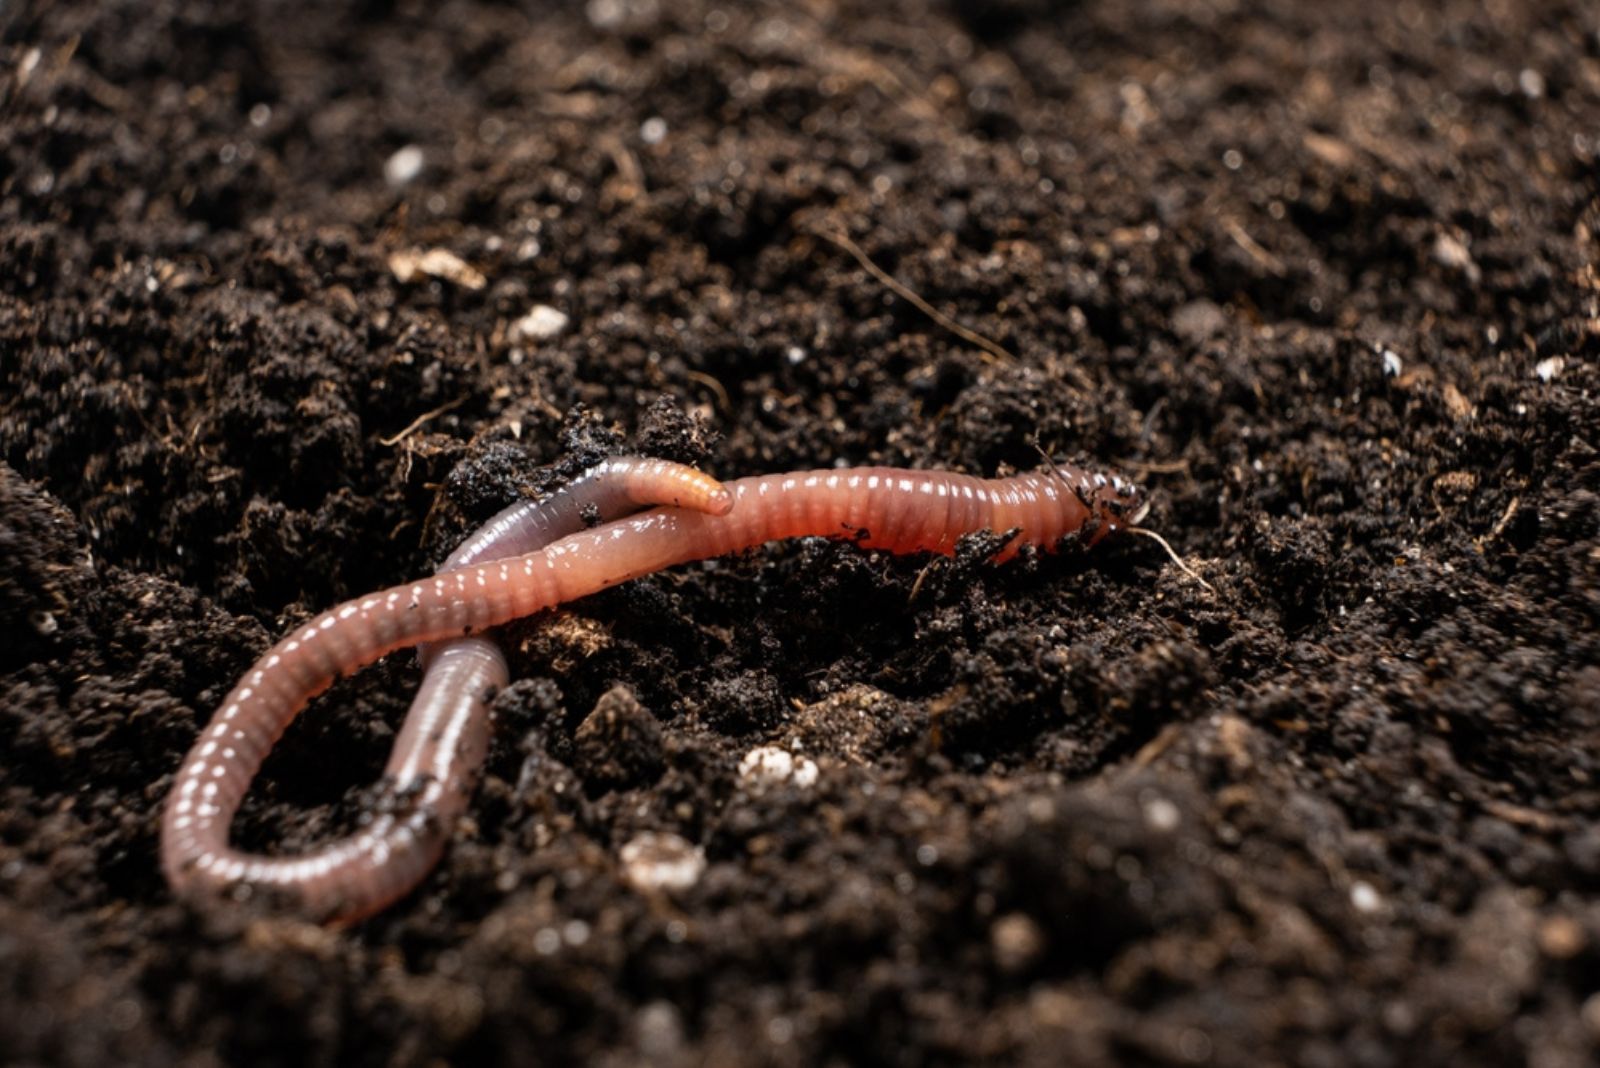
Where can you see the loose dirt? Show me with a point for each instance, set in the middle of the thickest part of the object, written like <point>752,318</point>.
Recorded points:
<point>1320,275</point>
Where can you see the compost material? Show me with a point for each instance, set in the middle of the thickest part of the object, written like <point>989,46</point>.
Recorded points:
<point>293,296</point>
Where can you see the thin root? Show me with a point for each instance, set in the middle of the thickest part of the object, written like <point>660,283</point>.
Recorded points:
<point>1048,463</point>
<point>906,293</point>
<point>1500,525</point>
<point>715,386</point>
<point>1185,568</point>
<point>422,420</point>
<point>916,586</point>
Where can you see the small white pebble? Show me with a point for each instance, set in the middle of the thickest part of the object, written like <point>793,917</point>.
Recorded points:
<point>1016,942</point>
<point>768,765</point>
<point>1531,82</point>
<point>540,324</point>
<point>653,131</point>
<point>1547,369</point>
<point>604,14</point>
<point>1392,364</point>
<point>805,773</point>
<point>546,941</point>
<point>1450,252</point>
<point>1161,815</point>
<point>652,862</point>
<point>400,168</point>
<point>1365,898</point>
<point>795,355</point>
<point>659,1029</point>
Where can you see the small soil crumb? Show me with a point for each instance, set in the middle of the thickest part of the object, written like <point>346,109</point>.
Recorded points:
<point>440,263</point>
<point>618,744</point>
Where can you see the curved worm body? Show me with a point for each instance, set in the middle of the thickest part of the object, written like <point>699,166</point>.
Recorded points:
<point>440,749</point>
<point>445,736</point>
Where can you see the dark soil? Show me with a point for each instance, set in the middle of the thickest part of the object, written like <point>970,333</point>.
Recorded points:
<point>1323,276</point>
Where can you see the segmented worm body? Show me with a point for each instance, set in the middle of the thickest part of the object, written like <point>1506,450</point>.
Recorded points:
<point>443,741</point>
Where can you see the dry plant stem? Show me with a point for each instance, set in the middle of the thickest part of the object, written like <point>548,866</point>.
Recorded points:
<point>441,746</point>
<point>878,508</point>
<point>1145,532</point>
<point>906,293</point>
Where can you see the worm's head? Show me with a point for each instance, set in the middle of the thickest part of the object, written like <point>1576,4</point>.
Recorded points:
<point>1114,503</point>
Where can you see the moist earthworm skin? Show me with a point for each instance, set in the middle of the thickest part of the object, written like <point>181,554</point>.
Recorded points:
<point>609,487</point>
<point>898,510</point>
<point>905,511</point>
<point>442,743</point>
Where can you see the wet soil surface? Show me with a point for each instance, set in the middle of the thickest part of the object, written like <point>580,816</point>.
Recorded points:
<point>1322,276</point>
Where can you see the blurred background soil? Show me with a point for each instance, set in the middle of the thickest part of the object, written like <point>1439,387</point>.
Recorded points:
<point>1322,276</point>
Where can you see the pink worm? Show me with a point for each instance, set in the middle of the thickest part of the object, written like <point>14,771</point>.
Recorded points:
<point>441,745</point>
<point>439,752</point>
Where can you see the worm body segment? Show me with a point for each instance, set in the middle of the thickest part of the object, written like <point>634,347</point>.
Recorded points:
<point>441,745</point>
<point>443,741</point>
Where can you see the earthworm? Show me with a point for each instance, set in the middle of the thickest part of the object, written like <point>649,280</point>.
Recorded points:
<point>444,737</point>
<point>902,511</point>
